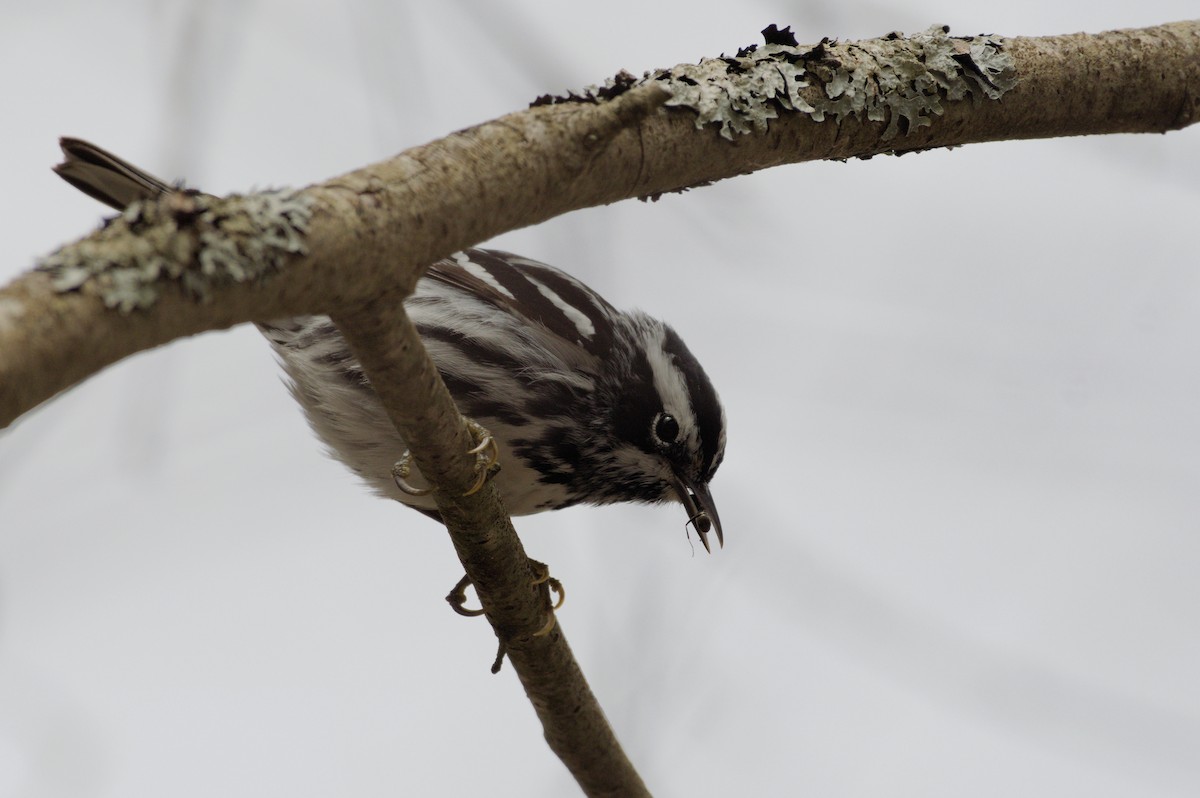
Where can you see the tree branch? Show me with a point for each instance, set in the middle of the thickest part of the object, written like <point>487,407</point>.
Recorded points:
<point>373,230</point>
<point>391,354</point>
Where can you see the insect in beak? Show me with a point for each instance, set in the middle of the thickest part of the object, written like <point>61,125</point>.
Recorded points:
<point>702,512</point>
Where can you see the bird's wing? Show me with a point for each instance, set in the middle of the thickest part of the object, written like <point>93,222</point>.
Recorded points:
<point>547,298</point>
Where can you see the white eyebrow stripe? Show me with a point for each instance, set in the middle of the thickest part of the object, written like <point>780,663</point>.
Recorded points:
<point>577,317</point>
<point>475,270</point>
<point>672,387</point>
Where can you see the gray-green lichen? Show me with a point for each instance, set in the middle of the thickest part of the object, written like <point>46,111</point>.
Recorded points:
<point>186,239</point>
<point>895,79</point>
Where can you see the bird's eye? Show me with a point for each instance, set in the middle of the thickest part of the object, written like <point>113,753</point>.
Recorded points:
<point>666,428</point>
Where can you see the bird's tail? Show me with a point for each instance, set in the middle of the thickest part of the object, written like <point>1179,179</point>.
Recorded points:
<point>105,177</point>
<point>118,183</point>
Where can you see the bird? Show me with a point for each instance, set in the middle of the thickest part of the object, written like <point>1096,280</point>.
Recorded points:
<point>586,404</point>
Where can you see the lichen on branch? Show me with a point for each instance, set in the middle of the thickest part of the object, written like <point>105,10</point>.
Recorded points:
<point>195,241</point>
<point>895,79</point>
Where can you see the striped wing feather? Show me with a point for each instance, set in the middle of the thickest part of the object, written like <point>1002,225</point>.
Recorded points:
<point>542,295</point>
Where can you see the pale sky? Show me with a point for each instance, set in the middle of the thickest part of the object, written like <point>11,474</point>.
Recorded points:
<point>960,495</point>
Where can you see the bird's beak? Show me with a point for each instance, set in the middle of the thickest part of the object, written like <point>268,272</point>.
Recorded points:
<point>700,508</point>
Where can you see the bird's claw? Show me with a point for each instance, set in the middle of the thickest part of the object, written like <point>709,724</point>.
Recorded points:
<point>400,473</point>
<point>487,455</point>
<point>543,577</point>
<point>457,599</point>
<point>487,463</point>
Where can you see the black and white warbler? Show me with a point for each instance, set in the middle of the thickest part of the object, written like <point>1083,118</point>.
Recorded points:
<point>587,404</point>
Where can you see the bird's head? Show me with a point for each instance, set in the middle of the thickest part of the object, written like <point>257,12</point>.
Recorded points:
<point>670,423</point>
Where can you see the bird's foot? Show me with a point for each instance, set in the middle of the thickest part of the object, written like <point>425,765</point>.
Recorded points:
<point>457,599</point>
<point>487,463</point>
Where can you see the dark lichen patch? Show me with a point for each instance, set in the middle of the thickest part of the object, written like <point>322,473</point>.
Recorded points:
<point>773,35</point>
<point>615,86</point>
<point>186,239</point>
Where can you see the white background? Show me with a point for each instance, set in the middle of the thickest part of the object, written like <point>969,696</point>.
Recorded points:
<point>960,496</point>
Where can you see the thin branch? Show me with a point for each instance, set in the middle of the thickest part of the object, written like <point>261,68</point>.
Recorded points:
<point>393,358</point>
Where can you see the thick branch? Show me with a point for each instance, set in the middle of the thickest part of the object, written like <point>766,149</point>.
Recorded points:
<point>387,346</point>
<point>375,229</point>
